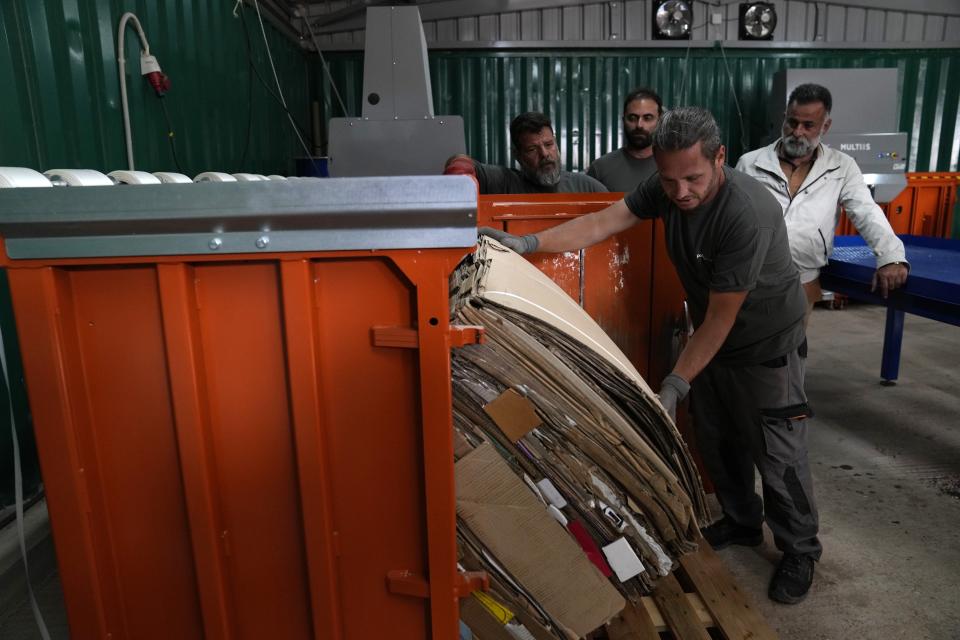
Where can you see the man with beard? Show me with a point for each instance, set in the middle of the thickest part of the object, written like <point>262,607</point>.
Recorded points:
<point>726,237</point>
<point>534,147</point>
<point>811,182</point>
<point>628,166</point>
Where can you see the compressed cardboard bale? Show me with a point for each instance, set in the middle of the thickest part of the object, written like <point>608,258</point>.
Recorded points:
<point>500,509</point>
<point>579,431</point>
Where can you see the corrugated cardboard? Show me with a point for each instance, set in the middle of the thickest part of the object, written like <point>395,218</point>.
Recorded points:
<point>514,414</point>
<point>460,445</point>
<point>512,281</point>
<point>483,625</point>
<point>514,525</point>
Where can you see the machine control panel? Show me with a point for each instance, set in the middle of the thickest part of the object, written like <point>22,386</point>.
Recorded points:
<point>882,158</point>
<point>874,152</point>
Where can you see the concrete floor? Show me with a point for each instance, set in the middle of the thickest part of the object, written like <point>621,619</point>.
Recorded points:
<point>16,616</point>
<point>886,467</point>
<point>886,463</point>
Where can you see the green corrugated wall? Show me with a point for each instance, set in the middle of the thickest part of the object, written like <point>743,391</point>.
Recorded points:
<point>61,104</point>
<point>581,90</point>
<point>60,108</point>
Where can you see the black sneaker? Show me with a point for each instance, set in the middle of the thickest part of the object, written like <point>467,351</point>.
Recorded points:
<point>792,580</point>
<point>725,532</point>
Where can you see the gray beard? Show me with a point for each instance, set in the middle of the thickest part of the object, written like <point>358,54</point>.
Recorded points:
<point>797,148</point>
<point>544,178</point>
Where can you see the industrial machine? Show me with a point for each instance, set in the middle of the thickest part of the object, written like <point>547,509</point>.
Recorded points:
<point>398,133</point>
<point>865,110</point>
<point>239,384</point>
<point>201,360</point>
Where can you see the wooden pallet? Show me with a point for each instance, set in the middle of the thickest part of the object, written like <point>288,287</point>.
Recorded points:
<point>699,601</point>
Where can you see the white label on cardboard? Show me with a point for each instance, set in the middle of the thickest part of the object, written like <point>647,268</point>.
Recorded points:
<point>623,559</point>
<point>536,490</point>
<point>558,515</point>
<point>550,492</point>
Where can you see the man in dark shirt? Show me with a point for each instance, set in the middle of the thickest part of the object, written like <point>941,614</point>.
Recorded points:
<point>628,166</point>
<point>726,237</point>
<point>535,148</point>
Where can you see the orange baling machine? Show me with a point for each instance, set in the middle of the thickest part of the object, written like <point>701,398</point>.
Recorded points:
<point>241,398</point>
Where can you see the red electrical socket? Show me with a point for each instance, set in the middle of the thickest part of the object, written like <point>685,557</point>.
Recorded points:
<point>160,82</point>
<point>150,68</point>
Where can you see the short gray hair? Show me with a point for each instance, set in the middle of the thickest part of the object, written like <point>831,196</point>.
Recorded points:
<point>683,127</point>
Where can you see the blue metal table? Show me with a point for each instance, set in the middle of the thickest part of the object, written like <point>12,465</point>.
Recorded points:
<point>932,290</point>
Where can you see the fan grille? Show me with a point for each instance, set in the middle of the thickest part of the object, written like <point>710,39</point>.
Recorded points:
<point>673,18</point>
<point>759,20</point>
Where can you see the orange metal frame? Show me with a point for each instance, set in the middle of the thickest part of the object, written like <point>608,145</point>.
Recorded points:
<point>924,208</point>
<point>235,447</point>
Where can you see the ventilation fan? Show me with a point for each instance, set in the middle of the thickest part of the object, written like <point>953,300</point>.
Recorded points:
<point>672,20</point>
<point>757,21</point>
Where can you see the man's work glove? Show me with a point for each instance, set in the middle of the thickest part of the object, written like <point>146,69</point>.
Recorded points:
<point>520,244</point>
<point>673,390</point>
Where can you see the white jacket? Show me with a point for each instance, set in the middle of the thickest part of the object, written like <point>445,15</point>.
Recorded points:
<point>813,213</point>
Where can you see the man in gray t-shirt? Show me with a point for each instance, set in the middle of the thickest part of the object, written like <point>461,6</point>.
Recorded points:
<point>726,237</point>
<point>535,148</point>
<point>628,166</point>
<point>734,242</point>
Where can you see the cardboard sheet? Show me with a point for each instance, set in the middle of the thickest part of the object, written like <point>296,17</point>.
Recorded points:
<point>515,526</point>
<point>514,414</point>
<point>512,281</point>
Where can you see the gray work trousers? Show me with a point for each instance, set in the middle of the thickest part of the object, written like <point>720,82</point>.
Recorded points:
<point>755,416</point>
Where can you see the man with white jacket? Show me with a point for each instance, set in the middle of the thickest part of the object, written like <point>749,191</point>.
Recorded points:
<point>812,182</point>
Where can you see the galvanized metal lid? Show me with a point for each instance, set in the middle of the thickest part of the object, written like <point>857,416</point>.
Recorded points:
<point>419,212</point>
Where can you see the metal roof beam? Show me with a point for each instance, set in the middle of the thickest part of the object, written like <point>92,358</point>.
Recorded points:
<point>437,10</point>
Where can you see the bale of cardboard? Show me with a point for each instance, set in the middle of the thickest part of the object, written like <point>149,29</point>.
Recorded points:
<point>575,492</point>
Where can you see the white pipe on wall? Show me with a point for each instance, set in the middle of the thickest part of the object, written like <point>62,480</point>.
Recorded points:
<point>122,66</point>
